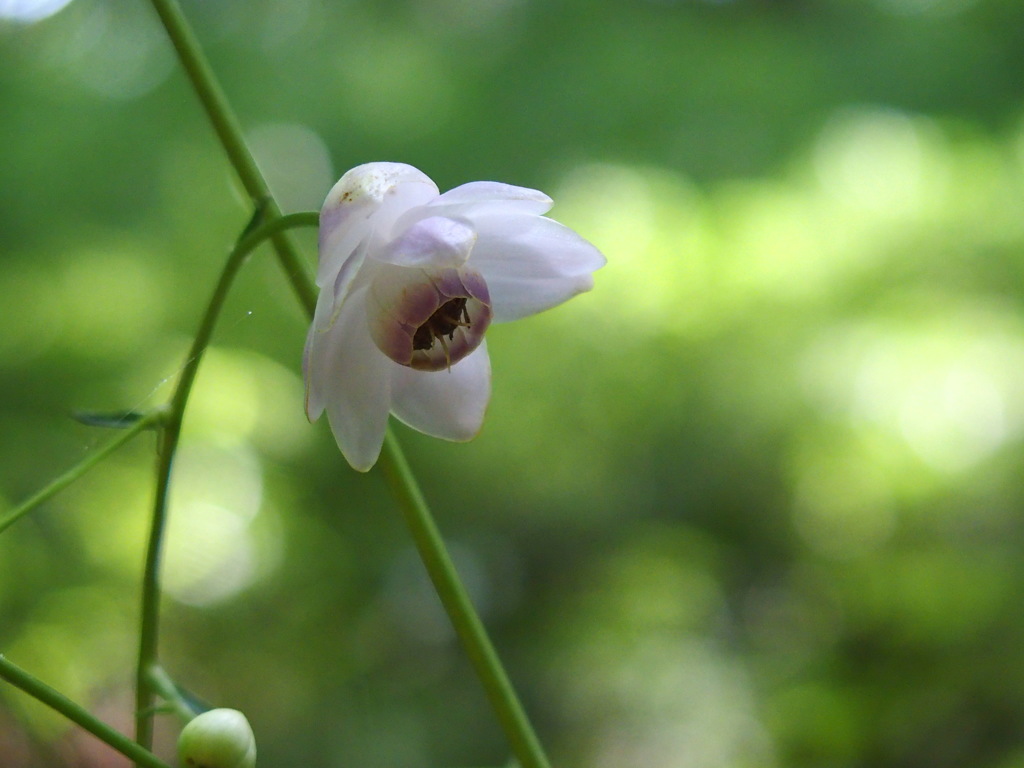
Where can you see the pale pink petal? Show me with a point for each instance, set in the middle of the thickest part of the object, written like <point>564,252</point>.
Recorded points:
<point>524,297</point>
<point>331,296</point>
<point>479,198</point>
<point>313,355</point>
<point>531,263</point>
<point>522,199</point>
<point>433,242</point>
<point>445,404</point>
<point>343,226</point>
<point>363,206</point>
<point>349,377</point>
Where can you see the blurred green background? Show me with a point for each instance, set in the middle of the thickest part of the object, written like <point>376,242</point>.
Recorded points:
<point>754,501</point>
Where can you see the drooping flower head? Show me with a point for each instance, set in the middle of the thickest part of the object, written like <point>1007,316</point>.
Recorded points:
<point>409,281</point>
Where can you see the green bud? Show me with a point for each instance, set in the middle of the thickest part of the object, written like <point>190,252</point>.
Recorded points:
<point>220,738</point>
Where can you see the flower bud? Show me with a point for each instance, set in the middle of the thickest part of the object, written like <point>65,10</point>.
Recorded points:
<point>219,738</point>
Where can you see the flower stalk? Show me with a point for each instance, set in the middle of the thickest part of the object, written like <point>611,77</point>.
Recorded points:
<point>149,622</point>
<point>169,692</point>
<point>510,713</point>
<point>57,701</point>
<point>60,483</point>
<point>229,132</point>
<point>468,626</point>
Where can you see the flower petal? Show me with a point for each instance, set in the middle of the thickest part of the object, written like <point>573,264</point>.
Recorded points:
<point>348,375</point>
<point>478,198</point>
<point>313,356</point>
<point>522,298</point>
<point>531,263</point>
<point>447,404</point>
<point>366,201</point>
<point>435,241</point>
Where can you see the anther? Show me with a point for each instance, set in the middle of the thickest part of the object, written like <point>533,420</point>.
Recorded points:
<point>444,322</point>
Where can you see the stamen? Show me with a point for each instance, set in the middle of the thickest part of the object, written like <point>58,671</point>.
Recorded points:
<point>409,316</point>
<point>444,322</point>
<point>447,355</point>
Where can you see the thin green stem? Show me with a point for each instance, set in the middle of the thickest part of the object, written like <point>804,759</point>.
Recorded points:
<point>34,687</point>
<point>274,226</point>
<point>149,622</point>
<point>164,686</point>
<point>229,131</point>
<point>90,461</point>
<point>468,626</point>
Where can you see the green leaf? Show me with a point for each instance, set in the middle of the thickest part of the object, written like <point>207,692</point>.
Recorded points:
<point>110,419</point>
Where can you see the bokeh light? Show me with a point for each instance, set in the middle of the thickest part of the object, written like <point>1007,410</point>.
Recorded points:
<point>30,11</point>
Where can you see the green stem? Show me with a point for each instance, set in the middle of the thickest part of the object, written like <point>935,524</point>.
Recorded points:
<point>78,470</point>
<point>456,601</point>
<point>149,622</point>
<point>229,131</point>
<point>18,677</point>
<point>468,625</point>
<point>164,686</point>
<point>274,226</point>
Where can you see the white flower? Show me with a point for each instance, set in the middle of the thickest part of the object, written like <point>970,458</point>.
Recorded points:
<point>409,281</point>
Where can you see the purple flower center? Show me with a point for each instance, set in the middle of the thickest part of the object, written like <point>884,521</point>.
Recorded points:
<point>451,316</point>
<point>429,320</point>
